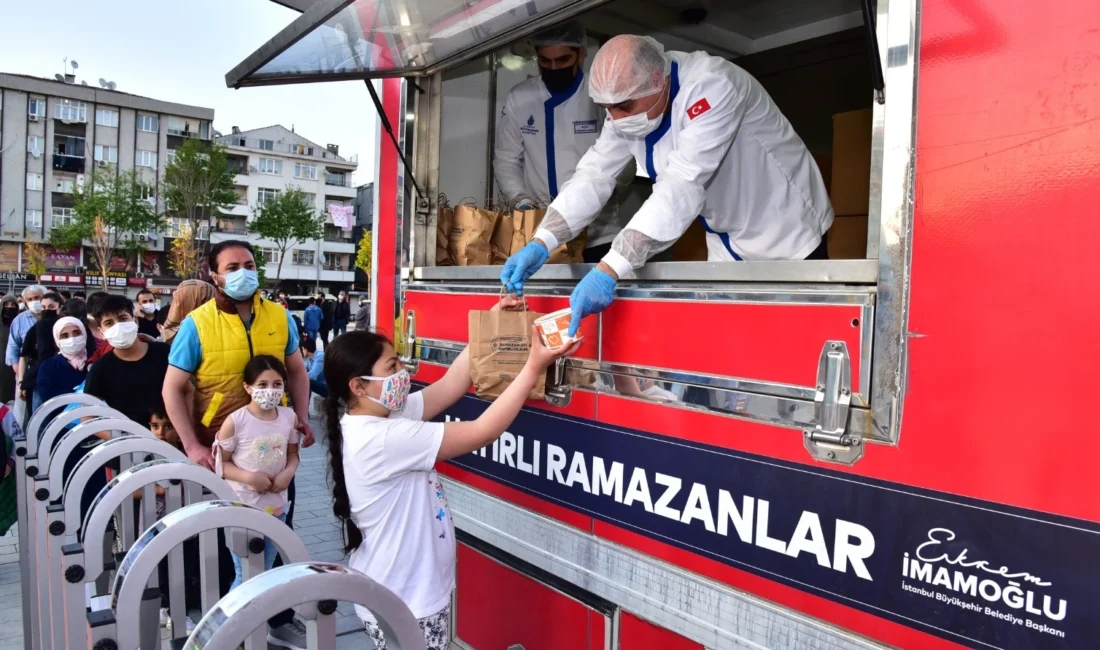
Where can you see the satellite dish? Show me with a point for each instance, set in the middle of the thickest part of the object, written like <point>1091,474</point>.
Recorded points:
<point>75,64</point>
<point>102,82</point>
<point>111,85</point>
<point>83,83</point>
<point>59,78</point>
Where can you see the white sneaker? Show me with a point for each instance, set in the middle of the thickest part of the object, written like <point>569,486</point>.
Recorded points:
<point>291,636</point>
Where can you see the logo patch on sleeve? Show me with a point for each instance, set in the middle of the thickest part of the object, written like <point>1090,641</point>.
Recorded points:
<point>698,108</point>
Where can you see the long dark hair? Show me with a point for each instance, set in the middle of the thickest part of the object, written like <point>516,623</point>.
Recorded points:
<point>350,355</point>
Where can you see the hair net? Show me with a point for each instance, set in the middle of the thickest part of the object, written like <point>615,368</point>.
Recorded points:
<point>627,67</point>
<point>570,34</point>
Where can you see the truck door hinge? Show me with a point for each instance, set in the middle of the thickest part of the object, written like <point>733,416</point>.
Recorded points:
<point>829,440</point>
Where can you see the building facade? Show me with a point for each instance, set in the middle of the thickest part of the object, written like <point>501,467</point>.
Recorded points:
<point>53,134</point>
<point>268,161</point>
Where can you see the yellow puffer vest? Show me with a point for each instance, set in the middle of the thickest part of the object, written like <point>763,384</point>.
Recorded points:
<point>226,349</point>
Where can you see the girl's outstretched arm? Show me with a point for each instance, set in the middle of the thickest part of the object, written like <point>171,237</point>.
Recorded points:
<point>439,396</point>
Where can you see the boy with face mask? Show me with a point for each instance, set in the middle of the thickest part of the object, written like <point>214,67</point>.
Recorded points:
<point>129,378</point>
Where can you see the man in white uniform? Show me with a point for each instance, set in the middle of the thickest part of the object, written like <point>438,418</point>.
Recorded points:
<point>719,150</point>
<point>547,124</point>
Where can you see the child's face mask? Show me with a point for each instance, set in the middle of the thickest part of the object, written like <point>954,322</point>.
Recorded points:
<point>267,398</point>
<point>395,390</point>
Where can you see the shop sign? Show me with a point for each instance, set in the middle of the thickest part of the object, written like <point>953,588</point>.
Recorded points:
<point>61,278</point>
<point>63,260</point>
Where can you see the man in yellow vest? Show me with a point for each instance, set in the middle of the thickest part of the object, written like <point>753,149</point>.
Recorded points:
<point>205,380</point>
<point>204,383</point>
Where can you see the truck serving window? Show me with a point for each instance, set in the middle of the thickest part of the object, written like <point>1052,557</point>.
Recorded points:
<point>843,72</point>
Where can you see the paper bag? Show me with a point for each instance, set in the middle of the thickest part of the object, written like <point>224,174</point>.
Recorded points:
<point>500,244</point>
<point>446,215</point>
<point>500,342</point>
<point>526,222</point>
<point>471,231</point>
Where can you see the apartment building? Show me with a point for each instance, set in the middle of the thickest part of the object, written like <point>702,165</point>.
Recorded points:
<point>52,135</point>
<point>269,160</point>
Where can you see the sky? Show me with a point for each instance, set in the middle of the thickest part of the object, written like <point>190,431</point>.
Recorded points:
<point>180,52</point>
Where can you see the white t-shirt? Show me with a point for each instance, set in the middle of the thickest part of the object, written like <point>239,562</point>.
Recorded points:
<point>398,504</point>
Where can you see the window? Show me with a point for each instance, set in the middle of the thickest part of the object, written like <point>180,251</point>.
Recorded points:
<point>237,142</point>
<point>170,157</point>
<point>340,180</point>
<point>70,110</point>
<point>146,159</point>
<point>333,262</point>
<point>106,117</point>
<point>34,145</point>
<point>302,150</point>
<point>62,217</point>
<point>265,194</point>
<point>268,255</point>
<point>148,123</point>
<point>271,166</point>
<point>303,257</point>
<point>267,145</point>
<point>68,145</point>
<point>34,181</point>
<point>310,199</point>
<point>106,153</point>
<point>147,193</point>
<point>181,227</point>
<point>34,218</point>
<point>302,170</point>
<point>36,108</point>
<point>64,184</point>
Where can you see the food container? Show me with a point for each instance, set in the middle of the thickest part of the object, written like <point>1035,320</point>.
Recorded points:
<point>554,329</point>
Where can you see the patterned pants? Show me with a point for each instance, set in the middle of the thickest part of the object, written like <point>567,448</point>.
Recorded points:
<point>435,628</point>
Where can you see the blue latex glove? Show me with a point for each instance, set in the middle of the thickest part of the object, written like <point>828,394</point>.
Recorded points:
<point>593,295</point>
<point>522,266</point>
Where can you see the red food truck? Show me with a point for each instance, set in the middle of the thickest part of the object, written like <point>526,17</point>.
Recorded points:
<point>837,453</point>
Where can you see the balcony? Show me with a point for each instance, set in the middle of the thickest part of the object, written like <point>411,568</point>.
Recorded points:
<point>73,164</point>
<point>232,228</point>
<point>337,180</point>
<point>338,237</point>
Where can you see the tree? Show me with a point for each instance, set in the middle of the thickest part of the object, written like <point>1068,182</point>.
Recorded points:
<point>184,256</point>
<point>110,211</point>
<point>197,184</point>
<point>363,255</point>
<point>34,258</point>
<point>287,220</point>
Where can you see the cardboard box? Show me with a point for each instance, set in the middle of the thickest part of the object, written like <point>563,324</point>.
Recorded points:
<point>850,187</point>
<point>825,166</point>
<point>692,245</point>
<point>847,238</point>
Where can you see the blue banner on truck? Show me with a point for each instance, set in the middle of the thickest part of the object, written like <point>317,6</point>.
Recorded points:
<point>976,573</point>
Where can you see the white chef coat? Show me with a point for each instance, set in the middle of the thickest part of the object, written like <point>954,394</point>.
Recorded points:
<point>540,138</point>
<point>725,154</point>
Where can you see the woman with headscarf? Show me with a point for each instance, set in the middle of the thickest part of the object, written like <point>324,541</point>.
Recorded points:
<point>68,369</point>
<point>9,309</point>
<point>187,298</point>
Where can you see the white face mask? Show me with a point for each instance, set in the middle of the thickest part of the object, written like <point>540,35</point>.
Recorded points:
<point>148,307</point>
<point>267,398</point>
<point>639,125</point>
<point>72,345</point>
<point>35,306</point>
<point>121,335</point>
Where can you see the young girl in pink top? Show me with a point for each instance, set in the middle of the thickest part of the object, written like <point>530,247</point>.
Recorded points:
<point>256,450</point>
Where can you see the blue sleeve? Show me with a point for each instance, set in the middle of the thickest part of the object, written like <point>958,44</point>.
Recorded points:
<point>11,353</point>
<point>317,368</point>
<point>186,352</point>
<point>292,342</point>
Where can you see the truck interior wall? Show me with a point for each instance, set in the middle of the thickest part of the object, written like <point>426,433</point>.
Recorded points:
<point>464,131</point>
<point>813,80</point>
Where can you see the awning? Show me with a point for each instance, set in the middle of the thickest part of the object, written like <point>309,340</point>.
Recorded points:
<point>338,40</point>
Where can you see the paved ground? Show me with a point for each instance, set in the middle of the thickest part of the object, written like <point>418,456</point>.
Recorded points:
<point>313,521</point>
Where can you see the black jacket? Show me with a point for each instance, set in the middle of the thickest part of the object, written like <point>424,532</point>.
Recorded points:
<point>327,309</point>
<point>342,311</point>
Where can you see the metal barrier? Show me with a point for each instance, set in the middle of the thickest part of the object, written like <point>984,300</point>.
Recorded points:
<point>141,561</point>
<point>65,553</point>
<point>308,584</point>
<point>23,446</point>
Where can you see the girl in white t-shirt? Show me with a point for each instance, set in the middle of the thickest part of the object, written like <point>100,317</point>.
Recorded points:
<point>382,454</point>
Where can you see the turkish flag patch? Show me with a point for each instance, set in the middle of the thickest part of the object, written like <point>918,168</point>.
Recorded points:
<point>698,108</point>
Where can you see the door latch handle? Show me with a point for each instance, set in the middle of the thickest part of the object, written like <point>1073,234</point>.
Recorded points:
<point>830,441</point>
<point>410,360</point>
<point>516,646</point>
<point>558,390</point>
